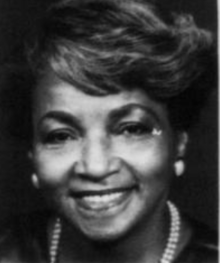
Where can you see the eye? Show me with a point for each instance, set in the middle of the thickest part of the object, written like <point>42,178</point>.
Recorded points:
<point>59,137</point>
<point>136,129</point>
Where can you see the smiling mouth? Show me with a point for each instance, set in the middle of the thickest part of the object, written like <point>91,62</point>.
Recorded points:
<point>102,200</point>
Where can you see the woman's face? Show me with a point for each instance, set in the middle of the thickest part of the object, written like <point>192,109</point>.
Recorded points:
<point>104,162</point>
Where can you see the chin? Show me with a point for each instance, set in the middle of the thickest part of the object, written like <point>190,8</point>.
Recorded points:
<point>100,230</point>
<point>104,235</point>
<point>107,231</point>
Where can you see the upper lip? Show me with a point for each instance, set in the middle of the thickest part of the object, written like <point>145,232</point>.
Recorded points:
<point>82,193</point>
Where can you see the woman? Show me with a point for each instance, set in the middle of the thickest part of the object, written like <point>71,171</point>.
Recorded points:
<point>110,92</point>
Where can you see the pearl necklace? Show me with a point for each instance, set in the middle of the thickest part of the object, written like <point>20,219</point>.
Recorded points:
<point>167,255</point>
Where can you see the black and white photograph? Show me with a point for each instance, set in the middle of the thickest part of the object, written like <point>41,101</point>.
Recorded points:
<point>109,131</point>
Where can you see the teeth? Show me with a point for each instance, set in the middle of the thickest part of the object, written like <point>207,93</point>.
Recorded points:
<point>102,198</point>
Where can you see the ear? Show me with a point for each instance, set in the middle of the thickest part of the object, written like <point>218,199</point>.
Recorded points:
<point>182,141</point>
<point>34,177</point>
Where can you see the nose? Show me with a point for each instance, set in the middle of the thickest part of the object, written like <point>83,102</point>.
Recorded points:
<point>96,160</point>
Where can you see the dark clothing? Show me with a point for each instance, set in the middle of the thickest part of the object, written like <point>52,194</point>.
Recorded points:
<point>25,241</point>
<point>202,246</point>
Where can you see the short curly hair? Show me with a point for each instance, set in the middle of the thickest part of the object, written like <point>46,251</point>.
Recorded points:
<point>113,45</point>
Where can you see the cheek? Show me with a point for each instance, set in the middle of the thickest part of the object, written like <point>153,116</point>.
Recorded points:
<point>52,169</point>
<point>152,161</point>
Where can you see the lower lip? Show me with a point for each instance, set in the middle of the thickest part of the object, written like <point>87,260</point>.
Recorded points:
<point>102,207</point>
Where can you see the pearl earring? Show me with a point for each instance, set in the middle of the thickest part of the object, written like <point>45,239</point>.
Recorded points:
<point>35,181</point>
<point>179,167</point>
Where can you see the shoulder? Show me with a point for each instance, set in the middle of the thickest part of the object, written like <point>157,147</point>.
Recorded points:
<point>23,238</point>
<point>202,245</point>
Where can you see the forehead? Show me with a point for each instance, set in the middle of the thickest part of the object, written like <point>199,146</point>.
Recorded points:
<point>54,94</point>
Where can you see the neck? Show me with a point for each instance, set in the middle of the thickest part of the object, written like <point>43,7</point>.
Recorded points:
<point>145,243</point>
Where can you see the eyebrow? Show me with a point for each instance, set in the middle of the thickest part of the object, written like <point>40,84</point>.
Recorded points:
<point>63,117</point>
<point>124,111</point>
<point>114,116</point>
